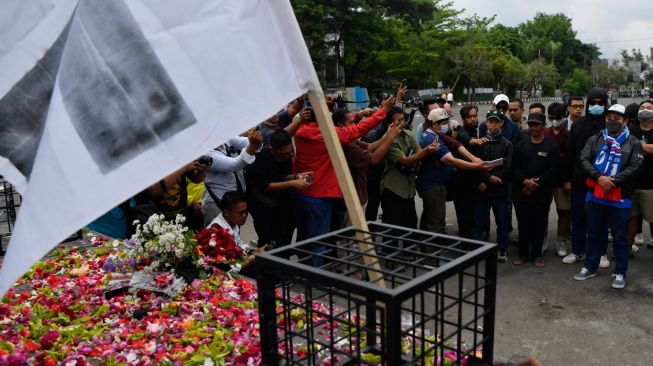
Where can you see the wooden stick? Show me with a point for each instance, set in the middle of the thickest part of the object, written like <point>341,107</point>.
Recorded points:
<point>337,156</point>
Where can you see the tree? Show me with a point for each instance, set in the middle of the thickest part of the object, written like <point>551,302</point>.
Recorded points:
<point>551,37</point>
<point>610,76</point>
<point>509,73</point>
<point>579,83</point>
<point>354,31</point>
<point>541,75</point>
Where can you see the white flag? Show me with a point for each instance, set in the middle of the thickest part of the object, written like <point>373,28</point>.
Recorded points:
<point>99,99</point>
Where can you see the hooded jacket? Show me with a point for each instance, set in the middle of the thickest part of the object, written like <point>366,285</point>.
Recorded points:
<point>584,128</point>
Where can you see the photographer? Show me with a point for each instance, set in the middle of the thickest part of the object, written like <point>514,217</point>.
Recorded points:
<point>170,194</point>
<point>269,181</point>
<point>225,172</point>
<point>314,204</point>
<point>400,174</point>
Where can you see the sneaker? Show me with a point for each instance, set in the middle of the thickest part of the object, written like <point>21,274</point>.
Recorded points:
<point>572,258</point>
<point>604,262</point>
<point>639,239</point>
<point>560,248</point>
<point>619,281</point>
<point>502,257</point>
<point>584,274</point>
<point>650,244</point>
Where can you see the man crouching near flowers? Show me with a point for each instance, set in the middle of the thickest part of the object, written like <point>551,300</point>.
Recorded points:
<point>234,214</point>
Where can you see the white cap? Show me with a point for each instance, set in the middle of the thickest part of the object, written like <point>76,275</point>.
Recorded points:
<point>438,114</point>
<point>500,98</point>
<point>617,108</point>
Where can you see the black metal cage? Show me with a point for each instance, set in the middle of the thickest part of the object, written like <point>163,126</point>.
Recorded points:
<point>390,296</point>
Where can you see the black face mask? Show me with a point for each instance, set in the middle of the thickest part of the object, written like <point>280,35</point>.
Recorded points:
<point>613,126</point>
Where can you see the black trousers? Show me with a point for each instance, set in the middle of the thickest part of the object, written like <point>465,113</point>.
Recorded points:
<point>374,175</point>
<point>398,211</point>
<point>463,201</point>
<point>274,224</point>
<point>531,223</point>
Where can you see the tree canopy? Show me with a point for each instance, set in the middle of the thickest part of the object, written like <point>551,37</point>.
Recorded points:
<point>378,43</point>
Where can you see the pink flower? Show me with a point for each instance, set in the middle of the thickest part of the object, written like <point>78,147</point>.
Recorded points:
<point>49,339</point>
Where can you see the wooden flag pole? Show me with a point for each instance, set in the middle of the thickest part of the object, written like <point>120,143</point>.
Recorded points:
<point>346,182</point>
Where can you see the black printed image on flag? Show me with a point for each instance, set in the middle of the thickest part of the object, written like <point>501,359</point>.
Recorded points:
<point>117,93</point>
<point>24,109</point>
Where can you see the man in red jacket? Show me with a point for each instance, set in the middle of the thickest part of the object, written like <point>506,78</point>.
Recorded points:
<point>313,205</point>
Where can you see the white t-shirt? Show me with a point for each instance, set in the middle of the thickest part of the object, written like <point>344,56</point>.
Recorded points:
<point>450,98</point>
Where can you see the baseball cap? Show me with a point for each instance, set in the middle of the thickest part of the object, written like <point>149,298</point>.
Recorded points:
<point>438,114</point>
<point>500,98</point>
<point>536,118</point>
<point>494,114</point>
<point>618,109</point>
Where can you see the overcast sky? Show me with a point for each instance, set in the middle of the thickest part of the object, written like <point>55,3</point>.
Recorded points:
<point>613,25</point>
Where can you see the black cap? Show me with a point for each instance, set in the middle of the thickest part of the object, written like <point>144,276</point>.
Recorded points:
<point>536,118</point>
<point>493,113</point>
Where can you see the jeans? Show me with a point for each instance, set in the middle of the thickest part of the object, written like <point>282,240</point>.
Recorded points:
<point>313,218</point>
<point>482,207</point>
<point>578,222</point>
<point>599,218</point>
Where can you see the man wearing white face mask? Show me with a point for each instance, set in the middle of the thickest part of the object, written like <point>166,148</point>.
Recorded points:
<point>643,196</point>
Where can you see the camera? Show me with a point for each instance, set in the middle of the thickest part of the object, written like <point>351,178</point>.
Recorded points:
<point>205,160</point>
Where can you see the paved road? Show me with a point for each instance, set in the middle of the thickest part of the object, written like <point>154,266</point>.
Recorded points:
<point>544,312</point>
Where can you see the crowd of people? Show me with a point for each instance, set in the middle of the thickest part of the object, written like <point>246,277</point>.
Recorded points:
<point>592,159</point>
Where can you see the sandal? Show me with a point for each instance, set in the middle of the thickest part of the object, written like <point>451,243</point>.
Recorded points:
<point>539,263</point>
<point>519,261</point>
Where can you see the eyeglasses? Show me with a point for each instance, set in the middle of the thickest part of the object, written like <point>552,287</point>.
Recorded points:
<point>594,102</point>
<point>577,106</point>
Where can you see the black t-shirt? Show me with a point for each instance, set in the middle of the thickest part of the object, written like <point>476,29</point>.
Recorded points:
<point>535,161</point>
<point>261,173</point>
<point>645,178</point>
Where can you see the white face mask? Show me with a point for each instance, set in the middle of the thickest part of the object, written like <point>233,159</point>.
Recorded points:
<point>556,123</point>
<point>444,128</point>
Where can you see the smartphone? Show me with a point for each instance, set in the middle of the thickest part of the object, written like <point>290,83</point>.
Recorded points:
<point>495,163</point>
<point>404,82</point>
<point>309,178</point>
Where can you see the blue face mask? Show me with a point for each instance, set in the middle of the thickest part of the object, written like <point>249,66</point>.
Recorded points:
<point>596,110</point>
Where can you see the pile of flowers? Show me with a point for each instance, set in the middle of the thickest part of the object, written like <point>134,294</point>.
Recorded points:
<point>52,317</point>
<point>68,310</point>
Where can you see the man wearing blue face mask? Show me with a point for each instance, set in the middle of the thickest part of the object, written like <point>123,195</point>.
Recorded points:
<point>611,160</point>
<point>572,173</point>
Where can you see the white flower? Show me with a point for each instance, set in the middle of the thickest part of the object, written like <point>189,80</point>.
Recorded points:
<point>208,362</point>
<point>212,243</point>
